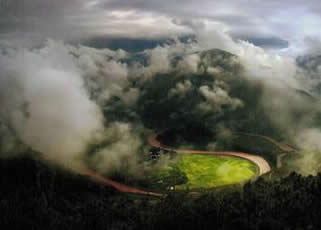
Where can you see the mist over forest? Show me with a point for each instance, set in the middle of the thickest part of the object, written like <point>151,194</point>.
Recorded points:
<point>84,97</point>
<point>100,97</point>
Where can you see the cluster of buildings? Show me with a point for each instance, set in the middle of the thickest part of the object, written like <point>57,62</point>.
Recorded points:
<point>156,152</point>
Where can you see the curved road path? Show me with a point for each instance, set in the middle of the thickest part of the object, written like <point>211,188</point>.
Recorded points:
<point>260,162</point>
<point>284,147</point>
<point>120,187</point>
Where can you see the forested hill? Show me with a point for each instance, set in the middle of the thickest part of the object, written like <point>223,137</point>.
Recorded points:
<point>34,196</point>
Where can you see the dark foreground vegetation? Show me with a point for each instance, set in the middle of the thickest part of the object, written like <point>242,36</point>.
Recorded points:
<point>34,196</point>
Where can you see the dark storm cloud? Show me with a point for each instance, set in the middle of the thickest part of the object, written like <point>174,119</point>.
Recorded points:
<point>32,21</point>
<point>23,13</point>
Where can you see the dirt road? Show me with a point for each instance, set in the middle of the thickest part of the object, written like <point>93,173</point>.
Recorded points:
<point>282,146</point>
<point>120,187</point>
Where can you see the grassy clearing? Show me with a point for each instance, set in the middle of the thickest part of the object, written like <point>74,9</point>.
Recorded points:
<point>207,171</point>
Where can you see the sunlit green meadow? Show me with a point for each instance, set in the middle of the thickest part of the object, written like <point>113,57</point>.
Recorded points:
<point>208,171</point>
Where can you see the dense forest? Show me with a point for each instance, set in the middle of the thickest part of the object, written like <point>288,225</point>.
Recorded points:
<point>35,196</point>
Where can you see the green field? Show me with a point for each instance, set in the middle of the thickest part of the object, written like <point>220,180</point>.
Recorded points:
<point>207,171</point>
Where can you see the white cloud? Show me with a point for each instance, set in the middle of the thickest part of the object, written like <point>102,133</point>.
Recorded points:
<point>216,98</point>
<point>44,99</point>
<point>78,19</point>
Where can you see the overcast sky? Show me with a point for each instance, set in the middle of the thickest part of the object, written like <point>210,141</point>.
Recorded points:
<point>268,23</point>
